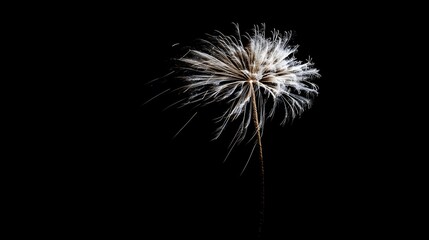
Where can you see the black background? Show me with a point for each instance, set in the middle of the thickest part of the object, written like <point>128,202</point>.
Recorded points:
<point>328,174</point>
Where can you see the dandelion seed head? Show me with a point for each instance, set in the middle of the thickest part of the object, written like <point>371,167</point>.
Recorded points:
<point>228,68</point>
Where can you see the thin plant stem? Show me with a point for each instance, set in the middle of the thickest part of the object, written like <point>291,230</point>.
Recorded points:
<point>261,161</point>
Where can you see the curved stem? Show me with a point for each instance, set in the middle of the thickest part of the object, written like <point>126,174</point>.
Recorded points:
<point>261,161</point>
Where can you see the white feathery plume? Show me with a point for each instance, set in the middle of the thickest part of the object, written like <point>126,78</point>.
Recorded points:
<point>231,69</point>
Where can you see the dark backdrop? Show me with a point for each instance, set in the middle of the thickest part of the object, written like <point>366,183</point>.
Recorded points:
<point>327,175</point>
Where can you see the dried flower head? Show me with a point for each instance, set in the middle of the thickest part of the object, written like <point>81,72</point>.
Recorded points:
<point>235,68</point>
